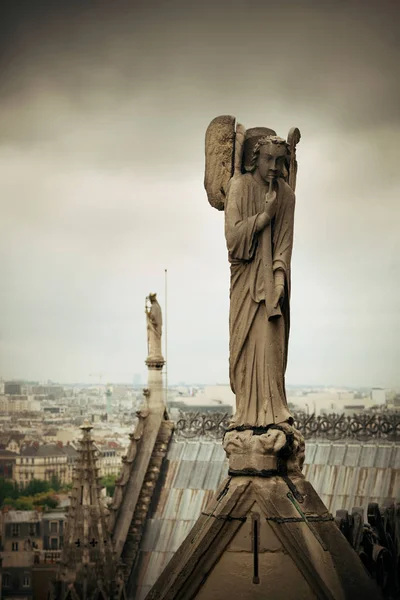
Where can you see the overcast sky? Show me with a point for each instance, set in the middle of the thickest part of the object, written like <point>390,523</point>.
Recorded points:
<point>103,113</point>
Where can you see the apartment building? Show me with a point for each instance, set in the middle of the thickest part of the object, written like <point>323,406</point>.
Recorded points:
<point>109,459</point>
<point>42,462</point>
<point>7,463</point>
<point>21,536</point>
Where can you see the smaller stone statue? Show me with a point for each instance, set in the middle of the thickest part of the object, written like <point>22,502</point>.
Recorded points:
<point>154,327</point>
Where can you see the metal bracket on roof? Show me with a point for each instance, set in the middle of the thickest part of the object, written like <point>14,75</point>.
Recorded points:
<point>306,521</point>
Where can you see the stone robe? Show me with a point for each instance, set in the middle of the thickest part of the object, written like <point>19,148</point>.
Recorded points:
<point>259,331</point>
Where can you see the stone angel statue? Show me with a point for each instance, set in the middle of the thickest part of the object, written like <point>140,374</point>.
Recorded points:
<point>154,327</point>
<point>251,175</point>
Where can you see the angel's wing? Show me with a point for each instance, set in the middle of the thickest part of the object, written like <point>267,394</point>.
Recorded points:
<point>220,152</point>
<point>292,140</point>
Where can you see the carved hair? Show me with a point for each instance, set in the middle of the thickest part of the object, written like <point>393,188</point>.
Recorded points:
<point>273,139</point>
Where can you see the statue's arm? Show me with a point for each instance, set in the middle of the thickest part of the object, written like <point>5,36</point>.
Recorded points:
<point>241,231</point>
<point>283,237</point>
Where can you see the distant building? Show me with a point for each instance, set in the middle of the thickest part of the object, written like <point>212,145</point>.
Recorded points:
<point>331,401</point>
<point>13,388</point>
<point>52,391</point>
<point>28,538</point>
<point>378,396</point>
<point>72,455</point>
<point>12,441</point>
<point>109,458</point>
<point>53,531</point>
<point>7,463</point>
<point>16,403</point>
<point>21,535</point>
<point>42,462</point>
<point>215,398</point>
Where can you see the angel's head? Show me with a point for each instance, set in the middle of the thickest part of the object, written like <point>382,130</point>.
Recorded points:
<point>269,158</point>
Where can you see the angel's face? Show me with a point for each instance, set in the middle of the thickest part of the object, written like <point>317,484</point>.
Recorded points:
<point>271,160</point>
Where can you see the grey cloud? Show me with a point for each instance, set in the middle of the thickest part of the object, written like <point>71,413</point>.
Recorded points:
<point>102,129</point>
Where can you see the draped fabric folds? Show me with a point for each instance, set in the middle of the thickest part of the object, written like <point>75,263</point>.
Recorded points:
<point>259,331</point>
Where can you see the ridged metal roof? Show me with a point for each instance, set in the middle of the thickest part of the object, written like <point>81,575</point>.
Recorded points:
<point>344,475</point>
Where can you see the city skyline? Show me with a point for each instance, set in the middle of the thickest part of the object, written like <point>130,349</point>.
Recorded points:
<point>103,118</point>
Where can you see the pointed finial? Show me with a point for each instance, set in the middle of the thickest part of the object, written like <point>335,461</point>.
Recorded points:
<point>86,426</point>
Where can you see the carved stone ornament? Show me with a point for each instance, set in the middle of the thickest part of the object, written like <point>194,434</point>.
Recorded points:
<point>279,448</point>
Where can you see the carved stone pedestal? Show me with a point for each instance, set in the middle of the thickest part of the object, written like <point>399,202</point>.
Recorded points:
<point>265,533</point>
<point>279,448</point>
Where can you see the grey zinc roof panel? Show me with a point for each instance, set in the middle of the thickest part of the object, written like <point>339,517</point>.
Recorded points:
<point>343,474</point>
<point>380,483</point>
<point>394,485</point>
<point>394,491</point>
<point>361,486</point>
<point>396,458</point>
<point>337,455</point>
<point>170,474</point>
<point>163,540</point>
<point>152,533</point>
<point>322,454</point>
<point>172,534</point>
<point>320,475</point>
<point>179,532</point>
<point>352,456</point>
<point>316,475</point>
<point>311,448</point>
<point>175,450</point>
<point>190,451</point>
<point>347,480</point>
<point>171,507</point>
<point>191,504</point>
<point>368,453</point>
<point>384,457</point>
<point>206,451</point>
<point>219,452</point>
<point>370,482</point>
<point>198,475</point>
<point>354,475</point>
<point>183,474</point>
<point>215,472</point>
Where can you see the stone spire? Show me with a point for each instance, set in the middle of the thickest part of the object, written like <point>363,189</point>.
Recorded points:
<point>141,466</point>
<point>88,568</point>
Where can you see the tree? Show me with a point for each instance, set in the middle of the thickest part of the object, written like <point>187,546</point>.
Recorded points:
<point>55,483</point>
<point>8,489</point>
<point>35,486</point>
<point>24,504</point>
<point>109,483</point>
<point>50,501</point>
<point>9,502</point>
